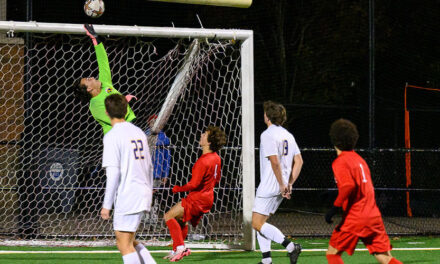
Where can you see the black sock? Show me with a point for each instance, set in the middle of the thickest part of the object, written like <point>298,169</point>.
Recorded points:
<point>286,242</point>
<point>266,254</point>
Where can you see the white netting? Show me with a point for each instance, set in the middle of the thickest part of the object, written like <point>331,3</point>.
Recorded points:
<point>51,180</point>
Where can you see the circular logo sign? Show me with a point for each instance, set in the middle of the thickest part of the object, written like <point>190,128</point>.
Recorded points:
<point>56,171</point>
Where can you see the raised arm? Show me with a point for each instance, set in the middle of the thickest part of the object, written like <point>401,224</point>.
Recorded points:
<point>101,56</point>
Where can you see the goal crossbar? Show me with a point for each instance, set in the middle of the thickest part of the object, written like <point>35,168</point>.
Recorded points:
<point>166,32</point>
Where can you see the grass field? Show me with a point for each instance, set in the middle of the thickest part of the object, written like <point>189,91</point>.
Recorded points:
<point>406,249</point>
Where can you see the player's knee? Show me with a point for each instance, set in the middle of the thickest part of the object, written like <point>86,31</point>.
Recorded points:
<point>135,243</point>
<point>124,247</point>
<point>256,225</point>
<point>332,251</point>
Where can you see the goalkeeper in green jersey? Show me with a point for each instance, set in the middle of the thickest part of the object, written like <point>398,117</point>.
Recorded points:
<point>95,91</point>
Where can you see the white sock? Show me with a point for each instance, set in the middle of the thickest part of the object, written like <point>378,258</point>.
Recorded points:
<point>180,248</point>
<point>131,258</point>
<point>290,247</point>
<point>265,248</point>
<point>272,233</point>
<point>266,261</point>
<point>263,242</point>
<point>144,254</point>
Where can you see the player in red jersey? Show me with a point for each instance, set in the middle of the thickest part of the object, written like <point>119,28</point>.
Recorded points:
<point>361,218</point>
<point>206,173</point>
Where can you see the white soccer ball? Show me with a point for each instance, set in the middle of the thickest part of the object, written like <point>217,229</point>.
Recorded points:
<point>94,8</point>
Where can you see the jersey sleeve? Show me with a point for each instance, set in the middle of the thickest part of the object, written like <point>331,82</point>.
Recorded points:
<point>103,65</point>
<point>268,145</point>
<point>198,171</point>
<point>111,154</point>
<point>295,148</point>
<point>111,186</point>
<point>344,181</point>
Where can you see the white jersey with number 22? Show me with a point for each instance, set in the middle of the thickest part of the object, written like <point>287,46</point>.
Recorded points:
<point>126,147</point>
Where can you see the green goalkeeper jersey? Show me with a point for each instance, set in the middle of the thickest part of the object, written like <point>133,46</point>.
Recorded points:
<point>97,106</point>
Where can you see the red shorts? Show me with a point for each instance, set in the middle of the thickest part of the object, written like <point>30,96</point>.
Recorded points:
<point>376,242</point>
<point>193,211</point>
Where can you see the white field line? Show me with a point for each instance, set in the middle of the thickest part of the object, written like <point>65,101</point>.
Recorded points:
<point>193,251</point>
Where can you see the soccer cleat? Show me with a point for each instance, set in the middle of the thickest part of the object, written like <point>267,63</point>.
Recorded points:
<point>295,253</point>
<point>263,263</point>
<point>180,254</point>
<point>170,255</point>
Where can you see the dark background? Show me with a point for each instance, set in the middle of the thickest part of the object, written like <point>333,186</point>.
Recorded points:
<point>323,60</point>
<point>312,56</point>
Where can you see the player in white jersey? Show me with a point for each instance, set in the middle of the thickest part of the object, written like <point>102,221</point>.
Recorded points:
<point>280,165</point>
<point>129,180</point>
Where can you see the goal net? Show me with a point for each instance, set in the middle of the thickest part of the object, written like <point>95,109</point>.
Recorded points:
<point>51,179</point>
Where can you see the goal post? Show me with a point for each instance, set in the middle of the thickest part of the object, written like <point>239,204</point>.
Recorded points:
<point>178,86</point>
<point>408,145</point>
<point>51,179</point>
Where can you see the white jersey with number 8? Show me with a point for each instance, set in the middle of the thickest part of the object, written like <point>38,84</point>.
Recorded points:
<point>275,141</point>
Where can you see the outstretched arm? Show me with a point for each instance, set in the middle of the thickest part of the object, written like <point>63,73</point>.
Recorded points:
<point>90,31</point>
<point>197,175</point>
<point>104,68</point>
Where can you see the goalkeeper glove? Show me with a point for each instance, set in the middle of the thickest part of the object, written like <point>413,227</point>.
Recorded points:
<point>90,31</point>
<point>334,210</point>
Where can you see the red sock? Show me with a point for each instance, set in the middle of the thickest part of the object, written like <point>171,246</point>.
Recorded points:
<point>175,232</point>
<point>334,259</point>
<point>184,229</point>
<point>394,261</point>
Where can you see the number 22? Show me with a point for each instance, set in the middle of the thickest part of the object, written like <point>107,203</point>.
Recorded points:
<point>137,148</point>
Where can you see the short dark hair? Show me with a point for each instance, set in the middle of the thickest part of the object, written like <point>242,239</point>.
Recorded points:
<point>80,91</point>
<point>216,137</point>
<point>344,134</point>
<point>275,112</point>
<point>116,105</point>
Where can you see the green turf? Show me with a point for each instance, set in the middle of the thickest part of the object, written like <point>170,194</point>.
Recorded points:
<point>425,256</point>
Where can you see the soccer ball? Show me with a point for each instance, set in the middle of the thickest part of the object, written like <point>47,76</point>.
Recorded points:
<point>94,8</point>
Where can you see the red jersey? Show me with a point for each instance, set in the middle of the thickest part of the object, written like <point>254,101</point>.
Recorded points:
<point>206,173</point>
<point>356,194</point>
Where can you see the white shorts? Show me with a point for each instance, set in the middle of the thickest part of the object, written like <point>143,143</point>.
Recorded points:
<point>127,223</point>
<point>267,205</point>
